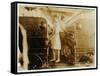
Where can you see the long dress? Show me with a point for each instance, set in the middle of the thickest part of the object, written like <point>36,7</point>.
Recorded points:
<point>25,48</point>
<point>55,40</point>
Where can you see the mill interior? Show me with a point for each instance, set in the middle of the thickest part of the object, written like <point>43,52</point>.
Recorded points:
<point>76,22</point>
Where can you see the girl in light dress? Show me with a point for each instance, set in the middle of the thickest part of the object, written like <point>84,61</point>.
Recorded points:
<point>55,41</point>
<point>24,54</point>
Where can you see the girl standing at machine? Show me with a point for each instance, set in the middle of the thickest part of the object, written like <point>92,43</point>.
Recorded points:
<point>55,40</point>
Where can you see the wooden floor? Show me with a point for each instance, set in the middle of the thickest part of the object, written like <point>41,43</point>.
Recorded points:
<point>65,65</point>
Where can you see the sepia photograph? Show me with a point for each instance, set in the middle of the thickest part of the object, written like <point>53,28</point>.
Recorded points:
<point>55,37</point>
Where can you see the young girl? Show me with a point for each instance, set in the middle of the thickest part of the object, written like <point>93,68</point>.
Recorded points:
<point>24,54</point>
<point>55,41</point>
